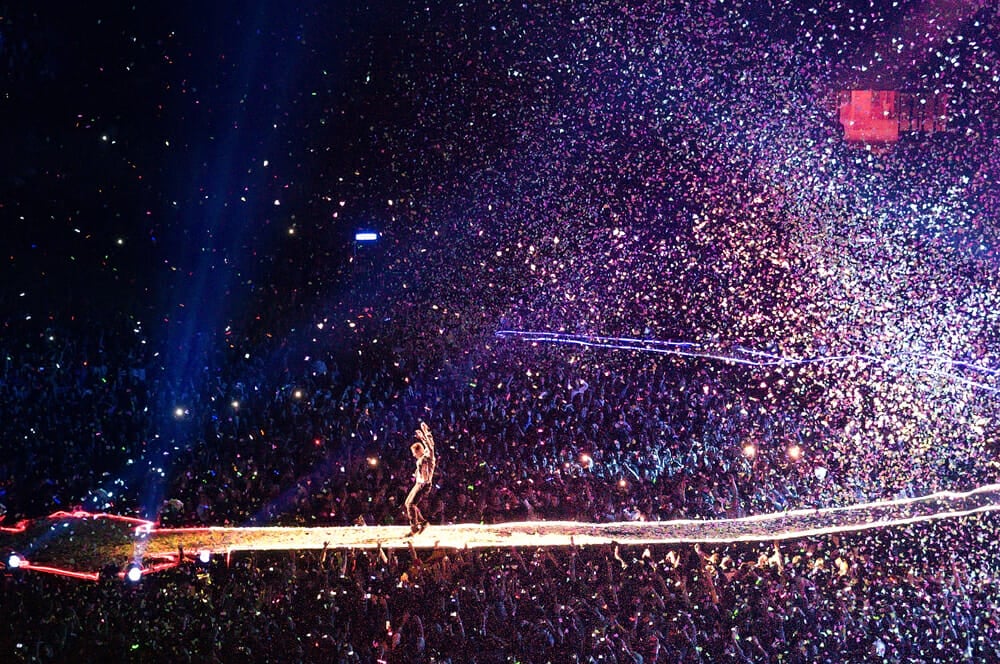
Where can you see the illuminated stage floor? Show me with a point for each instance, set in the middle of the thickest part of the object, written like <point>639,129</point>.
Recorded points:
<point>80,544</point>
<point>768,527</point>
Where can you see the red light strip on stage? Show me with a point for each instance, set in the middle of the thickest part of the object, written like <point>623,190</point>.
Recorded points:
<point>142,526</point>
<point>18,527</point>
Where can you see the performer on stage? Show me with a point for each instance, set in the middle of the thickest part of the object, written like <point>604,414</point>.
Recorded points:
<point>423,452</point>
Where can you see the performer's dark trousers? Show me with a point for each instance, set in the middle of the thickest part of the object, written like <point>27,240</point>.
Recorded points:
<point>412,504</point>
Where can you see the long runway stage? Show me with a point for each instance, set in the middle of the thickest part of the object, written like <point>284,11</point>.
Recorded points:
<point>80,543</point>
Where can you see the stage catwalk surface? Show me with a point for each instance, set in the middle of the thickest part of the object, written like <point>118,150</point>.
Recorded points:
<point>60,544</point>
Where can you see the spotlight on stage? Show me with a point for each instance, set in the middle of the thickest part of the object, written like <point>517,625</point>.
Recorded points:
<point>134,573</point>
<point>204,556</point>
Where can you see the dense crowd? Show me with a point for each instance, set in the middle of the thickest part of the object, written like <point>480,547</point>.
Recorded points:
<point>634,173</point>
<point>852,598</point>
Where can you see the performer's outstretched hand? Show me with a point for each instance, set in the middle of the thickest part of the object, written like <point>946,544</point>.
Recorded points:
<point>425,436</point>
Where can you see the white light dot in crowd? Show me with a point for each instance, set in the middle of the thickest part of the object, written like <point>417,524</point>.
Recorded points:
<point>134,573</point>
<point>749,450</point>
<point>178,412</point>
<point>794,452</point>
<point>14,561</point>
<point>204,556</point>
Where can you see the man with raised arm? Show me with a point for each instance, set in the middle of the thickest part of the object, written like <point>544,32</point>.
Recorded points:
<point>423,452</point>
